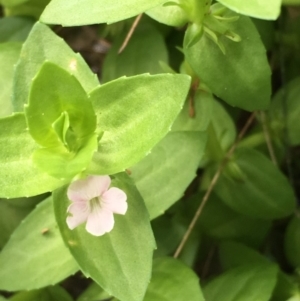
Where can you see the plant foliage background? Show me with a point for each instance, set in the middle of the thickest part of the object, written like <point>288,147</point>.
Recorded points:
<point>192,107</point>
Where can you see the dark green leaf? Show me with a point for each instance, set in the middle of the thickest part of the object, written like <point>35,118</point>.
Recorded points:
<point>259,189</point>
<point>173,281</point>
<point>241,77</point>
<point>292,242</point>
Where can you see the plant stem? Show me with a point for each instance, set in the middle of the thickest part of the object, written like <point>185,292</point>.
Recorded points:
<point>212,185</point>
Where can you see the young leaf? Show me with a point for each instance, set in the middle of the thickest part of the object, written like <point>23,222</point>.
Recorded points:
<point>51,48</point>
<point>142,54</point>
<point>292,242</point>
<point>244,283</point>
<point>83,12</point>
<point>18,175</point>
<point>134,113</point>
<point>52,262</point>
<point>120,261</point>
<point>67,97</point>
<point>15,29</point>
<point>165,173</point>
<point>242,76</point>
<point>262,191</point>
<point>9,55</point>
<point>173,281</point>
<point>268,10</point>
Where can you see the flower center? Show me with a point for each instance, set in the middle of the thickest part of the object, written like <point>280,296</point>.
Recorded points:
<point>94,203</point>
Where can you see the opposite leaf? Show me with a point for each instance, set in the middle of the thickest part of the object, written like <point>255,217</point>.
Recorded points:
<point>241,77</point>
<point>52,262</point>
<point>173,281</point>
<point>134,113</point>
<point>18,175</point>
<point>83,12</point>
<point>258,190</point>
<point>51,48</point>
<point>120,261</point>
<point>244,283</point>
<point>165,173</point>
<point>268,10</point>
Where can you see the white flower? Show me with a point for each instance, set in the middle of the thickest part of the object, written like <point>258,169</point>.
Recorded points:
<point>94,203</point>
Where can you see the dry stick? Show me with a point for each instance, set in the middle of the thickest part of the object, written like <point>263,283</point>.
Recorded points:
<point>130,32</point>
<point>267,138</point>
<point>212,185</point>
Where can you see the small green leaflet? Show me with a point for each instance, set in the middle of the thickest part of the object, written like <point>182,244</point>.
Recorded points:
<point>120,261</point>
<point>134,113</point>
<point>52,262</point>
<point>83,12</point>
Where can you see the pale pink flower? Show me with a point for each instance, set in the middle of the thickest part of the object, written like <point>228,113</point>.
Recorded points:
<point>95,203</point>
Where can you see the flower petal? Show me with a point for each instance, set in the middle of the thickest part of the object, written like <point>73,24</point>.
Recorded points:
<point>80,212</point>
<point>86,189</point>
<point>100,221</point>
<point>114,199</point>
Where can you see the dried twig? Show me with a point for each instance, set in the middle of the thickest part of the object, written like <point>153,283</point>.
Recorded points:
<point>212,185</point>
<point>130,32</point>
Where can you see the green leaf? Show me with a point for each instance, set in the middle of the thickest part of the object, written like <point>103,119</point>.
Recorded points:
<point>222,223</point>
<point>285,111</point>
<point>163,176</point>
<point>94,293</point>
<point>51,48</point>
<point>120,261</point>
<point>268,10</point>
<point>18,175</point>
<point>10,217</point>
<point>262,191</point>
<point>142,54</point>
<point>82,12</point>
<point>202,109</point>
<point>172,15</point>
<point>9,3</point>
<point>2,299</point>
<point>9,55</point>
<point>292,242</point>
<point>244,283</point>
<point>173,281</point>
<point>31,8</point>
<point>233,254</point>
<point>37,235</point>
<point>134,113</point>
<point>15,29</point>
<point>242,76</point>
<point>54,293</point>
<point>291,2</point>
